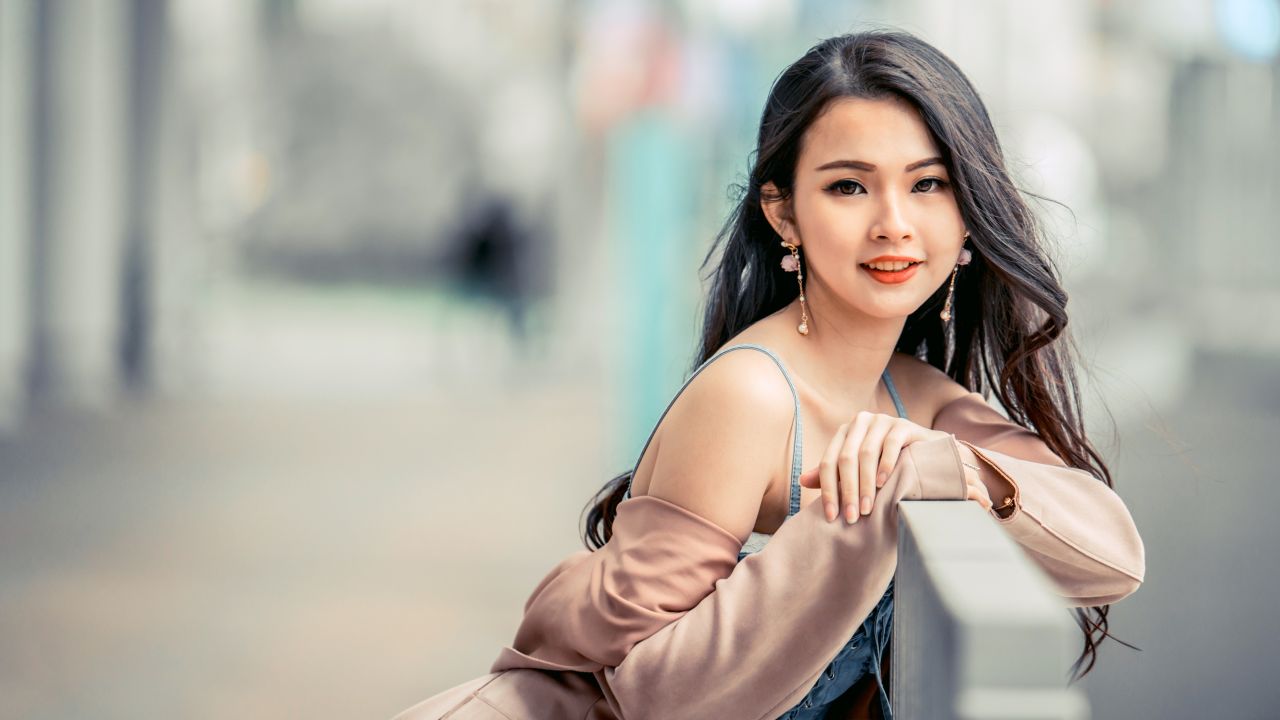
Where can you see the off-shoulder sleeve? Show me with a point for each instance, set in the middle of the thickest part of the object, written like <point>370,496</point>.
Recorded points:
<point>593,607</point>
<point>1075,527</point>
<point>783,612</point>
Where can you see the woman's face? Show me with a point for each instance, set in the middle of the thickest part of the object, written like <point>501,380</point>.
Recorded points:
<point>870,185</point>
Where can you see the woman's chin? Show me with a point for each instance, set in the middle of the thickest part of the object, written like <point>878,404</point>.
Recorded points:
<point>887,303</point>
<point>887,311</point>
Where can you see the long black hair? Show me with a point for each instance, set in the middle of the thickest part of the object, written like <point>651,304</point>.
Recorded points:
<point>1010,308</point>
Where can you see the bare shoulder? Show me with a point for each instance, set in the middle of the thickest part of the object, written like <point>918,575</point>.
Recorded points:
<point>924,388</point>
<point>725,439</point>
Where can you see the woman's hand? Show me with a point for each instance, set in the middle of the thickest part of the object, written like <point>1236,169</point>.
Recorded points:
<point>862,455</point>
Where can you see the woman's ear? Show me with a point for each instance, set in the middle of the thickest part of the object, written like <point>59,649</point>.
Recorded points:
<point>778,212</point>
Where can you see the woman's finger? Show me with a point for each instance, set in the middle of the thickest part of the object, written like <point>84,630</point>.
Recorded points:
<point>827,472</point>
<point>848,465</point>
<point>869,459</point>
<point>978,492</point>
<point>976,497</point>
<point>891,449</point>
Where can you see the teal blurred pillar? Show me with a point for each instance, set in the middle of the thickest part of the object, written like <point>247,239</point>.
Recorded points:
<point>650,190</point>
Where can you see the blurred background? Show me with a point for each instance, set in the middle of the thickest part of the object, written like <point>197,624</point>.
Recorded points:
<point>320,320</point>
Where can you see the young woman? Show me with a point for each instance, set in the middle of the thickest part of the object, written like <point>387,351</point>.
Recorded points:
<point>880,276</point>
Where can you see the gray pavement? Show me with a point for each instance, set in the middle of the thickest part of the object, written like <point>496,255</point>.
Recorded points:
<point>295,559</point>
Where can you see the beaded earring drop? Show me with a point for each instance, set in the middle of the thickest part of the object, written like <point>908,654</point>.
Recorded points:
<point>965,257</point>
<point>791,263</point>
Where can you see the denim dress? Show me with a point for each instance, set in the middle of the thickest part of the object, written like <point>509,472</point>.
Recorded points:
<point>862,653</point>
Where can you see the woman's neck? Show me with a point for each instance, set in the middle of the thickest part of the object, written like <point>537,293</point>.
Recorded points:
<point>845,352</point>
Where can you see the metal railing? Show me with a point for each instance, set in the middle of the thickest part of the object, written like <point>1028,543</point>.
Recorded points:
<point>978,631</point>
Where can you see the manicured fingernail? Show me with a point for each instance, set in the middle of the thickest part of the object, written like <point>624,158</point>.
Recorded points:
<point>830,509</point>
<point>849,515</point>
<point>866,506</point>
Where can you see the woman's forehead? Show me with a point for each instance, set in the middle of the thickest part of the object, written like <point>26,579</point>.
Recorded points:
<point>886,132</point>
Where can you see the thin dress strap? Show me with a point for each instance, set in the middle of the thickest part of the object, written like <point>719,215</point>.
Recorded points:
<point>797,446</point>
<point>902,413</point>
<point>893,393</point>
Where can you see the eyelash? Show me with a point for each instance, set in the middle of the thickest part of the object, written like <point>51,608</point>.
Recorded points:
<point>940,184</point>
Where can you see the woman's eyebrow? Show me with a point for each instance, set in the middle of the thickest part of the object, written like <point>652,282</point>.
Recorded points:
<point>868,167</point>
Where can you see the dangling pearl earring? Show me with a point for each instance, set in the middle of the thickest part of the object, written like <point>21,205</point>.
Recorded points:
<point>791,263</point>
<point>965,257</point>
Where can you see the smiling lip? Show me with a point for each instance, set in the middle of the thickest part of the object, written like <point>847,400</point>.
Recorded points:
<point>891,277</point>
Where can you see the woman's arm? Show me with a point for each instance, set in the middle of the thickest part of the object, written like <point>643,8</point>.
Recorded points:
<point>754,647</point>
<point>1071,524</point>
<point>593,607</point>
<point>720,443</point>
<point>789,607</point>
<point>673,626</point>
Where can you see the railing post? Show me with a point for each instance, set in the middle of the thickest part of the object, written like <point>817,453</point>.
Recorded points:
<point>978,631</point>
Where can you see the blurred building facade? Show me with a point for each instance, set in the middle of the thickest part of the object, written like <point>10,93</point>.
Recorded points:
<point>568,164</point>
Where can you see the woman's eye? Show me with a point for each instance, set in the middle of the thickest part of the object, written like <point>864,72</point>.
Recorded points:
<point>847,187</point>
<point>937,184</point>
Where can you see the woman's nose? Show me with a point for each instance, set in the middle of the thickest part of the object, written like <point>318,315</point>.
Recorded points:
<point>891,222</point>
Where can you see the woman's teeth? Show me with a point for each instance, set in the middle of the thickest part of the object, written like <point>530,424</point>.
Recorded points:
<point>890,266</point>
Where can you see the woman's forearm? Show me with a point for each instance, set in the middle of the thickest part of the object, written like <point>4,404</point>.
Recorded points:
<point>784,612</point>
<point>1075,527</point>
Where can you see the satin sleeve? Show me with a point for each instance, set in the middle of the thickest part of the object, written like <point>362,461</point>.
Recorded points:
<point>1070,523</point>
<point>754,646</point>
